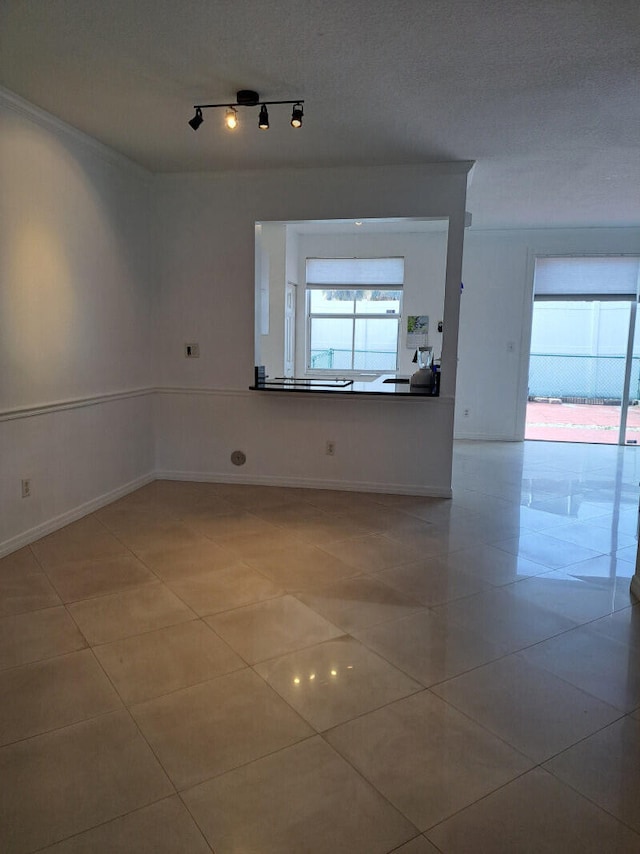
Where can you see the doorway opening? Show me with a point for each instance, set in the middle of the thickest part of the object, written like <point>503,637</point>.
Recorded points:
<point>584,365</point>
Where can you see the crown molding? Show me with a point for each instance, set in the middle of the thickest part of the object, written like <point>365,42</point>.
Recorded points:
<point>52,123</point>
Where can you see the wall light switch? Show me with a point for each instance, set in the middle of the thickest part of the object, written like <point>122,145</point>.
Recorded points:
<point>192,351</point>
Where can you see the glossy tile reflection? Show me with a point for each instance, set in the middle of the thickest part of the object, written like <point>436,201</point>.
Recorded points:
<point>336,681</point>
<point>204,667</point>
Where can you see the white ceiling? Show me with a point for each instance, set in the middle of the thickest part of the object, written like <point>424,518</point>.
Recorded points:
<point>543,94</point>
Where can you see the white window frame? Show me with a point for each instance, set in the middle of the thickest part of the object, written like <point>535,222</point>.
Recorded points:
<point>352,316</point>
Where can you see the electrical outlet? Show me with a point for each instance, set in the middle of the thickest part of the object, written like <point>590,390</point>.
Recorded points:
<point>26,488</point>
<point>465,413</point>
<point>330,448</point>
<point>192,351</point>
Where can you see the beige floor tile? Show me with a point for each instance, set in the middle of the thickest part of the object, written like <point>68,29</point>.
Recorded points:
<point>427,648</point>
<point>284,514</point>
<point>428,759</point>
<point>20,562</point>
<point>426,540</point>
<point>428,509</point>
<point>622,626</point>
<point>197,512</point>
<point>374,518</point>
<point>211,728</point>
<point>502,617</point>
<point>272,628</point>
<point>534,700</point>
<point>325,529</point>
<point>87,538</point>
<point>212,592</point>
<point>246,546</point>
<point>143,496</point>
<point>536,814</point>
<point>529,708</point>
<point>605,570</point>
<point>67,781</point>
<point>594,663</point>
<point>84,579</point>
<point>581,593</point>
<point>492,565</point>
<point>53,693</point>
<point>143,609</point>
<point>123,518</point>
<point>304,798</point>
<point>183,500</point>
<point>158,662</point>
<point>301,568</point>
<point>355,603</point>
<point>339,500</point>
<point>23,585</point>
<point>600,539</point>
<point>162,828</point>
<point>605,769</point>
<point>158,534</point>
<point>483,529</point>
<point>335,681</point>
<point>419,845</point>
<point>201,556</point>
<point>432,581</point>
<point>254,496</point>
<point>238,523</point>
<point>547,550</point>
<point>372,553</point>
<point>37,635</point>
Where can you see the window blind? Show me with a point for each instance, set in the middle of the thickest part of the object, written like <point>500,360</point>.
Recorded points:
<point>592,277</point>
<point>355,271</point>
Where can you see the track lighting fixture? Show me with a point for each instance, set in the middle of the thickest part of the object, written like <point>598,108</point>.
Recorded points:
<point>247,98</point>
<point>197,120</point>
<point>296,115</point>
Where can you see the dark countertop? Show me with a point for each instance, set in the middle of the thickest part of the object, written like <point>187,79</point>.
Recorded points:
<point>387,384</point>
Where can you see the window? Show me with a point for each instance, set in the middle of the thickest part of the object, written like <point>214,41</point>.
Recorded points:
<point>353,311</point>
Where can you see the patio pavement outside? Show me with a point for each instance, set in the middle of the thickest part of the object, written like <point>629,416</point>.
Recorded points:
<point>579,422</point>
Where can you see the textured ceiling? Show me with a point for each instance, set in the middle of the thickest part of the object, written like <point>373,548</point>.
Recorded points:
<point>543,95</point>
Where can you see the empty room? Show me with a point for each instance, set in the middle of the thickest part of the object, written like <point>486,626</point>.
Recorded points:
<point>318,450</point>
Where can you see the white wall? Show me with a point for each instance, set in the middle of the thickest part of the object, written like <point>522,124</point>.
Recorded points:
<point>75,304</point>
<point>273,270</point>
<point>206,251</point>
<point>495,320</point>
<point>401,445</point>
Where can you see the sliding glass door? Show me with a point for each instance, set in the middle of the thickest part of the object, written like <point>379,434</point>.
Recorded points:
<point>585,353</point>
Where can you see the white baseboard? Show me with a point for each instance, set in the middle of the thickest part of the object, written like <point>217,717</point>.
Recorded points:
<point>306,483</point>
<point>33,534</point>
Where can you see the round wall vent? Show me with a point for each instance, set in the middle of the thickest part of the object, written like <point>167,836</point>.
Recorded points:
<point>238,458</point>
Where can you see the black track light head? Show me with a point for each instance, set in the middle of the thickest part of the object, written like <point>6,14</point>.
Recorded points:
<point>197,120</point>
<point>263,121</point>
<point>296,115</point>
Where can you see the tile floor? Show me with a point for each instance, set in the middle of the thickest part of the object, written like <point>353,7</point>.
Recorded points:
<point>214,667</point>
